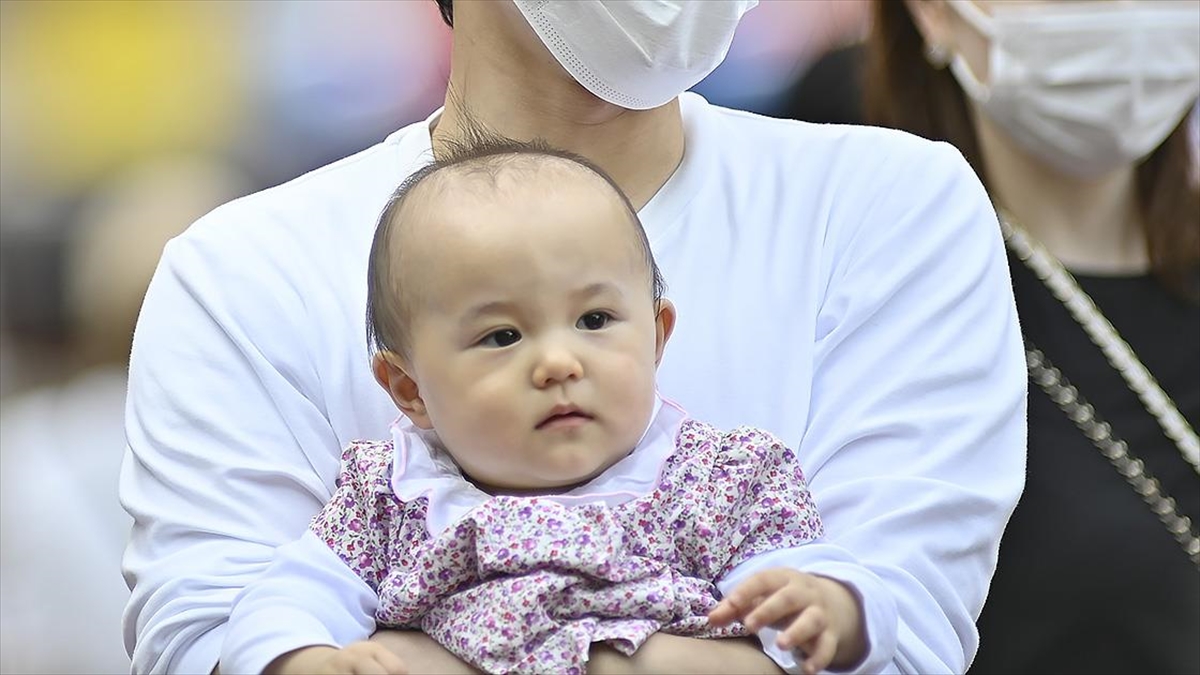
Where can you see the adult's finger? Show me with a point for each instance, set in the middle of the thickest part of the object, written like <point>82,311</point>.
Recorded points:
<point>392,664</point>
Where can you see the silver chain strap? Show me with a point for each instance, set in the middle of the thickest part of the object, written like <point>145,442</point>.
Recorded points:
<point>1120,355</point>
<point>1051,380</point>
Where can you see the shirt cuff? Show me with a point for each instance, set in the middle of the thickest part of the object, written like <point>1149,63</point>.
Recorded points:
<point>277,631</point>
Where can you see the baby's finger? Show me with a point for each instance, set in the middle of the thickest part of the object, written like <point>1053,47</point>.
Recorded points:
<point>809,624</point>
<point>780,606</point>
<point>747,595</point>
<point>819,653</point>
<point>725,613</point>
<point>758,586</point>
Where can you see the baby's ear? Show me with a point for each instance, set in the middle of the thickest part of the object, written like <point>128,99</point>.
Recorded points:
<point>664,325</point>
<point>391,372</point>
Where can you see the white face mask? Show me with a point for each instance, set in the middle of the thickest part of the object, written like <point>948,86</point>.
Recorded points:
<point>1086,86</point>
<point>637,54</point>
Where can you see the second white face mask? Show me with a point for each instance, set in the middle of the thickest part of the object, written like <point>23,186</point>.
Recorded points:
<point>637,54</point>
<point>1086,86</point>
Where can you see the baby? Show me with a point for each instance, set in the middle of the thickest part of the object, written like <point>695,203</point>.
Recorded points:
<point>537,495</point>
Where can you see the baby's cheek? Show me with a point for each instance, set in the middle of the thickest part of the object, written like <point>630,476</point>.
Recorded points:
<point>634,374</point>
<point>633,384</point>
<point>479,410</point>
<point>490,390</point>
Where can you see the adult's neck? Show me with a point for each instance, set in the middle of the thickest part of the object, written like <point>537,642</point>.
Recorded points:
<point>1092,225</point>
<point>502,77</point>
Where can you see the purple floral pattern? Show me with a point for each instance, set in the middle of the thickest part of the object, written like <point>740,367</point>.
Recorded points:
<point>523,584</point>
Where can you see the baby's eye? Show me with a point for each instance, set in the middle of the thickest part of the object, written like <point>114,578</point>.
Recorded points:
<point>500,338</point>
<point>594,320</point>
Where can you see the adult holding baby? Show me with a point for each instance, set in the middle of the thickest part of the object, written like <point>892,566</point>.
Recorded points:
<point>844,289</point>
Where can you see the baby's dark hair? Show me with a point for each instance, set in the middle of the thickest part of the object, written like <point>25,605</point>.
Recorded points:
<point>481,154</point>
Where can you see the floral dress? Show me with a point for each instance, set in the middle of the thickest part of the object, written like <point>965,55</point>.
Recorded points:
<point>527,584</point>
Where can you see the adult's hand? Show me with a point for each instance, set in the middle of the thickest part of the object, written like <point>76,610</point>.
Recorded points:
<point>422,655</point>
<point>665,653</point>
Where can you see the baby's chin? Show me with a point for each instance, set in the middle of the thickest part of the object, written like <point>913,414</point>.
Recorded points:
<point>541,485</point>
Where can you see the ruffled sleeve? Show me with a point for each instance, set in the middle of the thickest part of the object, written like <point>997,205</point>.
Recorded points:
<point>755,499</point>
<point>359,520</point>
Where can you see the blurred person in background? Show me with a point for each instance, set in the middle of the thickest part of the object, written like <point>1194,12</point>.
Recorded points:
<point>1073,114</point>
<point>906,391</point>
<point>32,325</point>
<point>829,91</point>
<point>775,44</point>
<point>333,76</point>
<point>63,529</point>
<point>90,88</point>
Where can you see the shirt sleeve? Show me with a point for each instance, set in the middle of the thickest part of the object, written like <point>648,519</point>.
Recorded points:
<point>229,451</point>
<point>324,588</point>
<point>307,597</point>
<point>915,440</point>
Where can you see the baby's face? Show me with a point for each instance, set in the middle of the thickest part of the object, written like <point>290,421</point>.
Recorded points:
<point>534,335</point>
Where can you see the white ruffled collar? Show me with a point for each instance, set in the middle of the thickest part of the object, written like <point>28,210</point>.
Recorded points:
<point>420,469</point>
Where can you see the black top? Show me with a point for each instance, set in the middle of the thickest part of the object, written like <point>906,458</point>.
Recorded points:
<point>1089,579</point>
<point>830,91</point>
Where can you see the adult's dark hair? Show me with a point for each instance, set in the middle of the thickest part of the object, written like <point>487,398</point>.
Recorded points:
<point>904,91</point>
<point>446,7</point>
<point>480,153</point>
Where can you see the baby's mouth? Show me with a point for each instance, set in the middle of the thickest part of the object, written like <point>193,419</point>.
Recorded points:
<point>564,416</point>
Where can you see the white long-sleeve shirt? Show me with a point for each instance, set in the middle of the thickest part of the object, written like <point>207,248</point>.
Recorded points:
<point>844,288</point>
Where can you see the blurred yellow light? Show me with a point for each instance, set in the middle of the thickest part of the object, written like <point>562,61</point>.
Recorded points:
<point>91,84</point>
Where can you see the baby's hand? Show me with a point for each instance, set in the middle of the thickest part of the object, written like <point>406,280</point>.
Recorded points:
<point>360,658</point>
<point>815,615</point>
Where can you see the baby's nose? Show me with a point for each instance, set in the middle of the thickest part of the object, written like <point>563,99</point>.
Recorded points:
<point>555,365</point>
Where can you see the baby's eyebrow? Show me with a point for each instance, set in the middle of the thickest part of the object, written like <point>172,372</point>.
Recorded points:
<point>486,308</point>
<point>596,288</point>
<point>491,307</point>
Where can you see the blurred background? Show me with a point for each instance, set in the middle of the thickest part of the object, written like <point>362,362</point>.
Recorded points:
<point>123,121</point>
